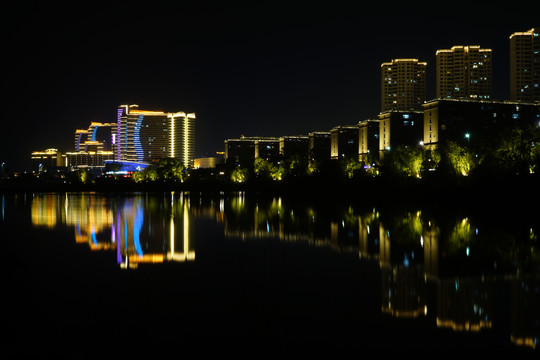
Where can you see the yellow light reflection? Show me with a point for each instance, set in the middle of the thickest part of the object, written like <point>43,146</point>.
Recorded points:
<point>524,341</point>
<point>186,254</point>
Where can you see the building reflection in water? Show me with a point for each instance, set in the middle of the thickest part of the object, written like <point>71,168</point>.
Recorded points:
<point>415,252</point>
<point>410,248</point>
<point>133,226</point>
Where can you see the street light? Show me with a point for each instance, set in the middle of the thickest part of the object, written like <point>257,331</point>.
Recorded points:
<point>468,136</point>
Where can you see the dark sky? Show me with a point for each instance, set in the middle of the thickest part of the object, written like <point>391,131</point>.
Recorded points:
<point>260,68</point>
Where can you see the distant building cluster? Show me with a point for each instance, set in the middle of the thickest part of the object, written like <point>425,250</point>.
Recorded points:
<point>462,111</point>
<point>137,138</point>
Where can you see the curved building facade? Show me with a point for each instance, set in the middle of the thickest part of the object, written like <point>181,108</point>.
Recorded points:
<point>146,135</point>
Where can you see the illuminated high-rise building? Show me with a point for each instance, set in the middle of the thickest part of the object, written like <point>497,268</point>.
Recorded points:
<point>464,72</point>
<point>525,66</point>
<point>403,85</point>
<point>145,135</point>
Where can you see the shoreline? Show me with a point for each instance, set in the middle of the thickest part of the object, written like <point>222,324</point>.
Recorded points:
<point>477,193</point>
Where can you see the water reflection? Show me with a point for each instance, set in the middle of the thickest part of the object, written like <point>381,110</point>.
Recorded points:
<point>139,228</point>
<point>459,261</point>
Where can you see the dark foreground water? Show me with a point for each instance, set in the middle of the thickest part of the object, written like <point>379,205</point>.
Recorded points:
<point>179,274</point>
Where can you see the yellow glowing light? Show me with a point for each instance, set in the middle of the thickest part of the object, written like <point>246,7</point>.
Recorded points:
<point>147,112</point>
<point>171,233</point>
<point>186,254</point>
<point>523,341</point>
<point>186,137</point>
<point>146,258</point>
<point>172,135</point>
<point>186,229</point>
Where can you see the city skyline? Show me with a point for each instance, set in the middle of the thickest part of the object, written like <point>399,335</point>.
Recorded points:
<point>267,70</point>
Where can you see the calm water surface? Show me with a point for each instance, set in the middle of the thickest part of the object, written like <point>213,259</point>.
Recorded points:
<point>90,273</point>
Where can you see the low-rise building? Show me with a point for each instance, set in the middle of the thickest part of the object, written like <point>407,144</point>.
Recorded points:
<point>46,160</point>
<point>399,128</point>
<point>467,121</point>
<point>319,146</point>
<point>368,140</point>
<point>344,142</point>
<point>294,146</point>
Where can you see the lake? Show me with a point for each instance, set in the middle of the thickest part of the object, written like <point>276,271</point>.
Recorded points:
<point>194,273</point>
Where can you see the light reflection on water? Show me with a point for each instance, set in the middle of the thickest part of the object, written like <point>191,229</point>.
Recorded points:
<point>139,228</point>
<point>463,260</point>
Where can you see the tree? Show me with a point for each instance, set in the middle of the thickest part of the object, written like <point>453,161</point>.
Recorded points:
<point>138,176</point>
<point>265,169</point>
<point>351,166</point>
<point>85,176</point>
<point>518,151</point>
<point>277,172</point>
<point>150,173</point>
<point>239,175</point>
<point>170,169</point>
<point>404,161</point>
<point>262,168</point>
<point>297,165</point>
<point>430,160</point>
<point>459,159</point>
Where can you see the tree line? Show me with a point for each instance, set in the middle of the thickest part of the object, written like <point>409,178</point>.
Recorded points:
<point>514,151</point>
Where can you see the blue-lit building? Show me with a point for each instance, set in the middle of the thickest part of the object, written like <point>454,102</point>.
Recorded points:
<point>92,146</point>
<point>123,167</point>
<point>102,133</point>
<point>144,135</point>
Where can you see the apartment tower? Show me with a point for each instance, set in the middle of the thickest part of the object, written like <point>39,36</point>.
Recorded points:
<point>403,85</point>
<point>525,66</point>
<point>464,72</point>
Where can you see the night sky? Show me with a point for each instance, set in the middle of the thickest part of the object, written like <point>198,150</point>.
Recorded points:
<point>260,68</point>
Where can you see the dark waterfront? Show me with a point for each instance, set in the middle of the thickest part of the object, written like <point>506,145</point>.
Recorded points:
<point>152,273</point>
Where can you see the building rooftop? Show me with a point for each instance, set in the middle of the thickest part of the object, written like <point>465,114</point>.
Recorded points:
<point>490,101</point>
